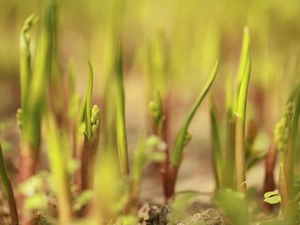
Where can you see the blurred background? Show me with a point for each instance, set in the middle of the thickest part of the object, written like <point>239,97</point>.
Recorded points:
<point>178,40</point>
<point>194,34</point>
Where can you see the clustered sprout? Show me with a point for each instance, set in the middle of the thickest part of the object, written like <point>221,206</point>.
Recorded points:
<point>282,128</point>
<point>95,118</point>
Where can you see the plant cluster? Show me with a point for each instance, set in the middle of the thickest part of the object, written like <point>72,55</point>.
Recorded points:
<point>89,185</point>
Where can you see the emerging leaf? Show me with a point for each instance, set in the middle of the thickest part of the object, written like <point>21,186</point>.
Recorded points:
<point>272,197</point>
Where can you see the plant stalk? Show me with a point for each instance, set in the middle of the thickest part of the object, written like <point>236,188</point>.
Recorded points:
<point>8,190</point>
<point>240,151</point>
<point>121,127</point>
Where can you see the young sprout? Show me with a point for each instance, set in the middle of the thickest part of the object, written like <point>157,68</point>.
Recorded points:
<point>89,93</point>
<point>240,151</point>
<point>108,201</point>
<point>218,158</point>
<point>240,116</point>
<point>282,136</point>
<point>285,134</point>
<point>58,157</point>
<point>120,104</point>
<point>92,136</point>
<point>34,89</point>
<point>90,148</point>
<point>25,57</point>
<point>148,150</point>
<point>281,132</point>
<point>8,190</point>
<point>183,137</point>
<point>157,63</point>
<point>229,156</point>
<point>233,206</point>
<point>242,64</point>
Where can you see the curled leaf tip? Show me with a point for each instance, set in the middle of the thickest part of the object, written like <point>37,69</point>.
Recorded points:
<point>30,21</point>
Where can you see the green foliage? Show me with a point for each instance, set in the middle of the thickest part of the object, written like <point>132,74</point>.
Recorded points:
<point>155,148</point>
<point>89,93</point>
<point>233,205</point>
<point>179,206</point>
<point>243,84</point>
<point>218,157</point>
<point>272,197</point>
<point>8,190</point>
<point>120,105</point>
<point>110,192</point>
<point>157,63</point>
<point>40,194</point>
<point>58,155</point>
<point>25,57</point>
<point>282,128</point>
<point>112,195</point>
<point>243,66</point>
<point>182,134</point>
<point>82,199</point>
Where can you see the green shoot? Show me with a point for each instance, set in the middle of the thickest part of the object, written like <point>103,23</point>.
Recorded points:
<point>89,153</point>
<point>240,104</point>
<point>285,138</point>
<point>233,205</point>
<point>180,140</point>
<point>8,190</point>
<point>148,150</point>
<point>89,93</point>
<point>281,135</point>
<point>25,57</point>
<point>230,133</point>
<point>242,64</point>
<point>253,156</point>
<point>121,127</point>
<point>292,153</point>
<point>57,157</point>
<point>179,206</point>
<point>108,201</point>
<point>139,162</point>
<point>92,136</point>
<point>272,197</point>
<point>240,152</point>
<point>218,158</point>
<point>34,89</point>
<point>183,137</point>
<point>157,63</point>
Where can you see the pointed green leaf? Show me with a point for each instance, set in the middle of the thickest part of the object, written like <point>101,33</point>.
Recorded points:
<point>179,143</point>
<point>120,103</point>
<point>216,144</point>
<point>89,93</point>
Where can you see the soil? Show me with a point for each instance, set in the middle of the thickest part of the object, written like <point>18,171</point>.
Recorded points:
<point>154,215</point>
